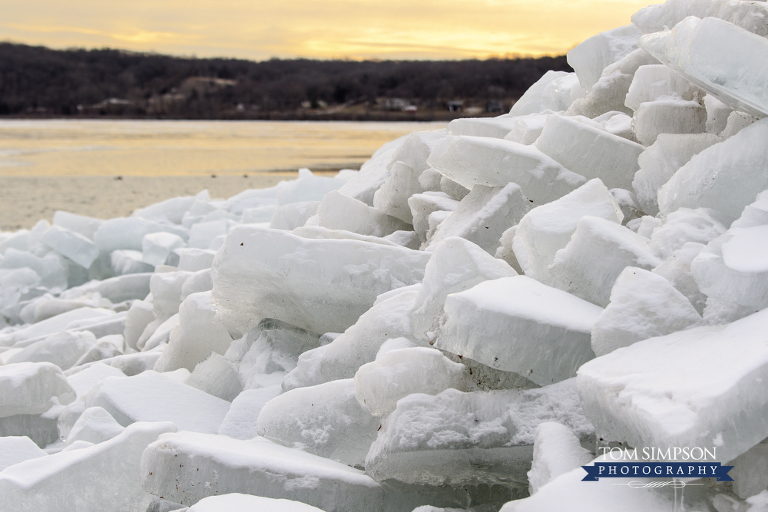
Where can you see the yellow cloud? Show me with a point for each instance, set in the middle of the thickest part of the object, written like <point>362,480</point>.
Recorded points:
<point>357,29</point>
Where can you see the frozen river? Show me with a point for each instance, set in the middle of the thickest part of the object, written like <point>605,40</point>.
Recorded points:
<point>179,148</point>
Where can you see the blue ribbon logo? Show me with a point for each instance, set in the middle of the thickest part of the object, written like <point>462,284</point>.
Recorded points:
<point>657,470</point>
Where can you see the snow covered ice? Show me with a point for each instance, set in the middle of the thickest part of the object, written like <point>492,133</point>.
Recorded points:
<point>459,325</point>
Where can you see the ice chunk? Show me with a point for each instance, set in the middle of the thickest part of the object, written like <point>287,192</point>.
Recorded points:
<point>652,82</point>
<point>668,116</point>
<point>533,101</point>
<point>51,268</point>
<point>528,128</point>
<point>717,114</point>
<point>139,316</point>
<point>590,57</point>
<point>684,226</point>
<point>547,228</point>
<point>94,425</point>
<point>483,215</point>
<point>235,502</point>
<point>505,251</point>
<point>178,466</point>
<point>100,477</point>
<point>569,492</point>
<point>401,372</point>
<point>357,345</point>
<point>116,289</point>
<point>725,60</point>
<point>73,245</point>
<point>326,420</point>
<point>268,352</point>
<point>747,15</point>
<point>475,438</point>
<point>474,161</point>
<point>170,210</point>
<point>423,205</point>
<point>677,270</point>
<point>373,173</point>
<point>309,187</point>
<point>62,349</point>
<point>597,253</point>
<point>29,388</point>
<point>454,190</point>
<point>293,215</point>
<point>153,397</point>
<point>198,334</point>
<point>243,415</point>
<point>610,92</point>
<point>41,330</point>
<point>81,224</point>
<point>402,183</point>
<point>85,379</point>
<point>517,324</point>
<point>192,260</point>
<point>750,471</point>
<point>430,180</point>
<point>203,233</point>
<point>157,333</point>
<point>405,238</point>
<point>732,267</point>
<point>725,177</point>
<point>319,285</point>
<point>661,160</point>
<point>643,305</point>
<point>456,265</point>
<point>497,127</point>
<point>156,247</point>
<point>589,151</point>
<point>701,387</point>
<point>217,376</point>
<point>127,233</point>
<point>128,262</point>
<point>338,211</point>
<point>556,450</point>
<point>15,449</point>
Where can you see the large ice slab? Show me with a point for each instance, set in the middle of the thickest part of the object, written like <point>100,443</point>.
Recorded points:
<point>595,256</point>
<point>71,244</point>
<point>483,215</point>
<point>28,388</point>
<point>728,62</point>
<point>423,205</point>
<point>460,438</point>
<point>152,397</point>
<point>643,305</point>
<point>496,127</point>
<point>725,177</point>
<point>590,58</point>
<point>101,477</point>
<point>187,467</point>
<point>372,173</point>
<point>652,82</point>
<point>547,228</point>
<point>519,325</point>
<point>701,387</point>
<point>536,99</point>
<point>127,233</point>
<point>326,420</point>
<point>654,118</point>
<point>589,151</point>
<point>472,161</point>
<point>62,349</point>
<point>319,285</point>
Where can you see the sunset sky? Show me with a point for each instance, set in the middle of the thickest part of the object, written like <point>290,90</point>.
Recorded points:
<point>355,29</point>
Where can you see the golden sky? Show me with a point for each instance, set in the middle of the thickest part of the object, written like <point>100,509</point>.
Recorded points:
<point>356,29</point>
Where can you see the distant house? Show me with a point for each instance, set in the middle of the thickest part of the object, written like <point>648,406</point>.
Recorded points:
<point>455,105</point>
<point>396,104</point>
<point>494,106</point>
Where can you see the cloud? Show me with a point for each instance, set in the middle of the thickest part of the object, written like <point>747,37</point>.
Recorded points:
<point>355,29</point>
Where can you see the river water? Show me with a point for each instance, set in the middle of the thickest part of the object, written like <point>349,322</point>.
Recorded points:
<point>187,148</point>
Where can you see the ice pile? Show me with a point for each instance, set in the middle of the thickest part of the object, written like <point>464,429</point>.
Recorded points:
<point>460,324</point>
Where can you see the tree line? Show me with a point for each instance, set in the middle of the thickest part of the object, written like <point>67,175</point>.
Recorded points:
<point>38,81</point>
